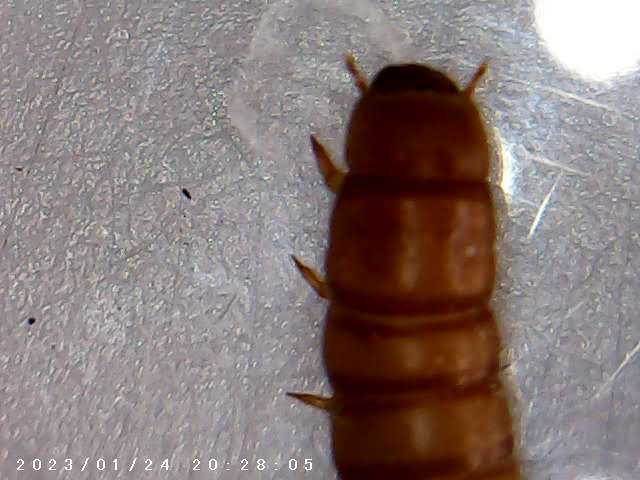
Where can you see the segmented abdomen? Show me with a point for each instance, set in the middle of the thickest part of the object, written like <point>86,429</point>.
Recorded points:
<point>411,347</point>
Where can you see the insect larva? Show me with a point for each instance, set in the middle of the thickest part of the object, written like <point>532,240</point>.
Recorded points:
<point>411,346</point>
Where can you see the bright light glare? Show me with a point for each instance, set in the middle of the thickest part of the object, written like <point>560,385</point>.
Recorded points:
<point>597,39</point>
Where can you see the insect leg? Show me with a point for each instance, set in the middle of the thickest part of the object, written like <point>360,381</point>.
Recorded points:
<point>312,278</point>
<point>358,77</point>
<point>333,176</point>
<point>482,69</point>
<point>323,403</point>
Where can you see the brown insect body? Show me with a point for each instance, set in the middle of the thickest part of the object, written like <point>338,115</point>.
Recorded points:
<point>411,347</point>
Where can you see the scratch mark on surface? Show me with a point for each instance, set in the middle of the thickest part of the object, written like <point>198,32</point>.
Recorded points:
<point>64,59</point>
<point>542,207</point>
<point>625,361</point>
<point>573,309</point>
<point>176,277</point>
<point>551,163</point>
<point>519,199</point>
<point>228,307</point>
<point>578,98</point>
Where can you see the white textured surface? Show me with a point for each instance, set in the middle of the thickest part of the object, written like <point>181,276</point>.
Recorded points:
<point>169,328</point>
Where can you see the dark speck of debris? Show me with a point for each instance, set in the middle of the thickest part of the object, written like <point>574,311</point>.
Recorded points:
<point>186,193</point>
<point>31,321</point>
<point>18,169</point>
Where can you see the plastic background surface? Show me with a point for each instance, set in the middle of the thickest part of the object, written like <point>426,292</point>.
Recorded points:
<point>169,328</point>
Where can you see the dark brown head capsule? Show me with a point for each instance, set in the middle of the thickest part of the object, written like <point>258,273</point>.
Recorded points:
<point>411,347</point>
